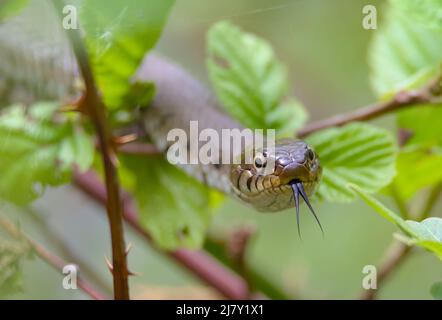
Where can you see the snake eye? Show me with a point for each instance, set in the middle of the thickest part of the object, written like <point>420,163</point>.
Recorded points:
<point>310,155</point>
<point>260,162</point>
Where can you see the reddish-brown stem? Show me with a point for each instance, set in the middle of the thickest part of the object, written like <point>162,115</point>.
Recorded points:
<point>139,148</point>
<point>66,252</point>
<point>58,264</point>
<point>97,112</point>
<point>403,99</point>
<point>52,259</point>
<point>394,256</point>
<point>429,94</point>
<point>198,262</point>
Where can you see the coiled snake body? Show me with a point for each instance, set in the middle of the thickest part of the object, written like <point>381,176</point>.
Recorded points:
<point>32,74</point>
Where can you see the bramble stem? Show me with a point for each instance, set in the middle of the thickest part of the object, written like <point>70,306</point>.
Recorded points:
<point>199,263</point>
<point>429,94</point>
<point>65,251</point>
<point>97,111</point>
<point>53,260</point>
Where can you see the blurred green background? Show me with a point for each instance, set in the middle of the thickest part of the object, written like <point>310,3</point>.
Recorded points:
<point>325,47</point>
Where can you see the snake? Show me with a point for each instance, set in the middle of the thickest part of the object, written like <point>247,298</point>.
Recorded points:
<point>36,65</point>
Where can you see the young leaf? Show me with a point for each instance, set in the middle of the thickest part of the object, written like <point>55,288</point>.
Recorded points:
<point>428,12</point>
<point>423,125</point>
<point>428,229</point>
<point>12,252</point>
<point>436,290</point>
<point>138,96</point>
<point>417,169</point>
<point>407,53</point>
<point>249,81</point>
<point>426,234</point>
<point>36,151</point>
<point>382,210</point>
<point>173,207</point>
<point>404,53</point>
<point>11,255</point>
<point>357,153</point>
<point>118,37</point>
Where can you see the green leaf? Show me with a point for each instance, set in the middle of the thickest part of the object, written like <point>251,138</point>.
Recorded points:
<point>12,252</point>
<point>423,125</point>
<point>428,229</point>
<point>288,117</point>
<point>436,290</point>
<point>417,169</point>
<point>9,8</point>
<point>11,255</point>
<point>428,12</point>
<point>407,53</point>
<point>118,36</point>
<point>426,234</point>
<point>404,53</point>
<point>382,210</point>
<point>174,207</point>
<point>39,148</point>
<point>356,153</point>
<point>138,96</point>
<point>250,82</point>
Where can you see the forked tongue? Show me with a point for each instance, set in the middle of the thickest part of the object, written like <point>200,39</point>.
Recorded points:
<point>298,189</point>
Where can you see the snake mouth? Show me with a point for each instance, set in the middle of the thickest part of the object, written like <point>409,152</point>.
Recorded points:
<point>298,189</point>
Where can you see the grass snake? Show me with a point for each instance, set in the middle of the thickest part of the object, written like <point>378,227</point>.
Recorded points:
<point>37,63</point>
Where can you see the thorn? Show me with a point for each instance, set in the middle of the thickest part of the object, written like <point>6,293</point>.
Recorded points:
<point>111,269</point>
<point>113,157</point>
<point>68,108</point>
<point>109,265</point>
<point>128,248</point>
<point>76,105</point>
<point>133,273</point>
<point>125,139</point>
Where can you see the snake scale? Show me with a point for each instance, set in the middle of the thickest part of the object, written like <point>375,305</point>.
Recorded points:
<point>37,63</point>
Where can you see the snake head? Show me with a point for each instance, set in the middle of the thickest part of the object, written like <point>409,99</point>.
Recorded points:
<point>277,177</point>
